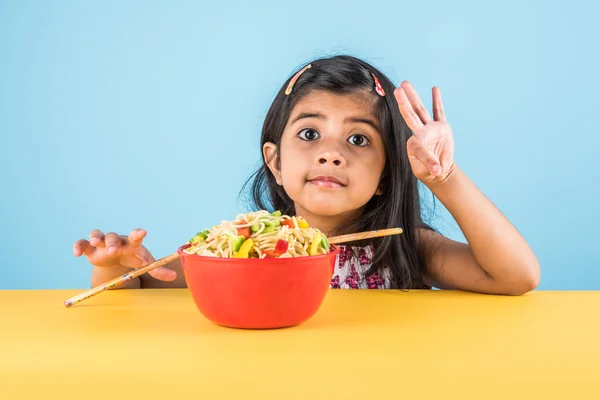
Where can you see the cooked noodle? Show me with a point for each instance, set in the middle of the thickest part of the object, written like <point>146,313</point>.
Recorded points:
<point>260,234</point>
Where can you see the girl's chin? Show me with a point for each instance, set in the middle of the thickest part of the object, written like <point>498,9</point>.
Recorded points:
<point>327,212</point>
<point>325,203</point>
<point>327,209</point>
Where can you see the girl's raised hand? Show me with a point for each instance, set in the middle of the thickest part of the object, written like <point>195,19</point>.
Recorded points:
<point>112,250</point>
<point>431,148</point>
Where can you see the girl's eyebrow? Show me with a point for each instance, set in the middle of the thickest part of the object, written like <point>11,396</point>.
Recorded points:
<point>308,115</point>
<point>364,120</point>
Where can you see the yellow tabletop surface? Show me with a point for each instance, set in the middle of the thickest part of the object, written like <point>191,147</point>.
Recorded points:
<point>361,344</point>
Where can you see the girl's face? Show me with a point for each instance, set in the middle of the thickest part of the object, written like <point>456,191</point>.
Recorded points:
<point>331,156</point>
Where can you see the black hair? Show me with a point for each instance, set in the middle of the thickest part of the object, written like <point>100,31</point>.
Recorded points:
<point>398,206</point>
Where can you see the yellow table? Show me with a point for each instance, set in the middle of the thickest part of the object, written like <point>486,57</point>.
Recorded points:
<point>361,344</point>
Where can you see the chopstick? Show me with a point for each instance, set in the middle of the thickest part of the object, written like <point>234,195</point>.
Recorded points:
<point>165,260</point>
<point>353,237</point>
<point>119,280</point>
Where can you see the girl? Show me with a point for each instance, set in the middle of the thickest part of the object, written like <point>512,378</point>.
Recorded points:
<point>344,148</point>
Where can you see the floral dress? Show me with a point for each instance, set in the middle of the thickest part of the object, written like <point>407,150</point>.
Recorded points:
<point>350,272</point>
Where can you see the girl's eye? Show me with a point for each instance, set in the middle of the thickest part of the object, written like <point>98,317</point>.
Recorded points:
<point>358,140</point>
<point>308,134</point>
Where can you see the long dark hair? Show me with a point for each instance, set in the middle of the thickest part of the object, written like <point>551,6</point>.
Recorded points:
<point>398,206</point>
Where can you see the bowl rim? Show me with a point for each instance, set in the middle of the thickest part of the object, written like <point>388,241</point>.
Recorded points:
<point>333,251</point>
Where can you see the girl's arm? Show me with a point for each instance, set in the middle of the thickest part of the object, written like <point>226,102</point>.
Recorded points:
<point>497,259</point>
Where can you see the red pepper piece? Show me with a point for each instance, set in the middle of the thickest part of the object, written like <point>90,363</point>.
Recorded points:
<point>287,222</point>
<point>281,246</point>
<point>245,232</point>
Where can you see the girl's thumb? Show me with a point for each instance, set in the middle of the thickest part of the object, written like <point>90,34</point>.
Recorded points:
<point>160,273</point>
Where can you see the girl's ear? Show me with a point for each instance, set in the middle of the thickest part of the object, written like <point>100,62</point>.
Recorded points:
<point>272,161</point>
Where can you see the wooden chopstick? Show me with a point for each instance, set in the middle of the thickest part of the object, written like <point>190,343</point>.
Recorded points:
<point>353,237</point>
<point>165,260</point>
<point>119,280</point>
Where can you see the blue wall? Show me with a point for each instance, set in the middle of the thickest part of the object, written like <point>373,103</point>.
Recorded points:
<point>116,115</point>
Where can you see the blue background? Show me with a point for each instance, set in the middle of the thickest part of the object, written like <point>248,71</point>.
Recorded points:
<point>116,115</point>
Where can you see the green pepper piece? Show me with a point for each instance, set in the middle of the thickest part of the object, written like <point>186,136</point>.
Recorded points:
<point>197,238</point>
<point>237,243</point>
<point>255,228</point>
<point>276,213</point>
<point>324,242</point>
<point>268,229</point>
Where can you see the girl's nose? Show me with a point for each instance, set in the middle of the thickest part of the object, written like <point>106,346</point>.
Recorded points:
<point>334,158</point>
<point>334,161</point>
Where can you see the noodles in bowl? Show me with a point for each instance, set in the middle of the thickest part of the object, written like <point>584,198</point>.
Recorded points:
<point>260,234</point>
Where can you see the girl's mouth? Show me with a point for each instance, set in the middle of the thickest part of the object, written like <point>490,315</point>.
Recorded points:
<point>329,182</point>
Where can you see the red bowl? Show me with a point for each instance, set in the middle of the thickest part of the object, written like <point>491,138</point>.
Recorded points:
<point>258,293</point>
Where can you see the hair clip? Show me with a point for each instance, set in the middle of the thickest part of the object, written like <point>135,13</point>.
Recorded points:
<point>288,90</point>
<point>378,87</point>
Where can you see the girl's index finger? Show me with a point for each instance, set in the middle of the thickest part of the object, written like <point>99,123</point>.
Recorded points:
<point>438,106</point>
<point>408,113</point>
<point>416,102</point>
<point>136,237</point>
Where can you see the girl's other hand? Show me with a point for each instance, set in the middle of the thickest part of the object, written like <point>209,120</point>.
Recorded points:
<point>112,250</point>
<point>431,148</point>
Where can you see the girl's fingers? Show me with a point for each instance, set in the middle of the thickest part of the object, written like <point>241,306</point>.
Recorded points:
<point>163,274</point>
<point>97,238</point>
<point>412,119</point>
<point>136,237</point>
<point>416,102</point>
<point>82,247</point>
<point>160,273</point>
<point>438,106</point>
<point>111,241</point>
<point>425,156</point>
